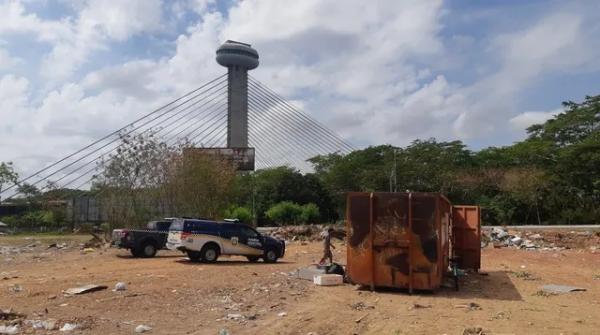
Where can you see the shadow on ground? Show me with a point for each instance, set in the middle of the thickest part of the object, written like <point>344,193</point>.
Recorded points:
<point>496,285</point>
<point>225,262</point>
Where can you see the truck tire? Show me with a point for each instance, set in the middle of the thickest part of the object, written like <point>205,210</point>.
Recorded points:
<point>194,256</point>
<point>147,249</point>
<point>270,256</point>
<point>210,253</point>
<point>252,259</point>
<point>134,252</point>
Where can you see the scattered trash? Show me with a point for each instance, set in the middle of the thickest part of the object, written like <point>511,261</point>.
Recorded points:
<point>547,241</point>
<point>67,327</point>
<point>85,289</point>
<point>501,316</point>
<point>15,288</point>
<point>142,329</point>
<point>120,286</point>
<point>223,332</point>
<point>557,289</point>
<point>516,240</point>
<point>8,315</point>
<point>49,324</point>
<point>282,314</point>
<point>361,318</point>
<point>308,273</point>
<point>9,330</point>
<point>235,317</point>
<point>58,246</point>
<point>361,306</point>
<point>472,306</point>
<point>474,331</point>
<point>525,275</point>
<point>417,306</point>
<point>88,250</point>
<point>328,280</point>
<point>536,237</point>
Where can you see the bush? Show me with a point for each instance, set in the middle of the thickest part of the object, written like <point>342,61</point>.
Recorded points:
<point>241,213</point>
<point>310,213</point>
<point>284,213</point>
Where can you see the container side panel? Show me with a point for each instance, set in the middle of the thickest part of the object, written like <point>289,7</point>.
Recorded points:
<point>358,235</point>
<point>391,239</point>
<point>466,233</point>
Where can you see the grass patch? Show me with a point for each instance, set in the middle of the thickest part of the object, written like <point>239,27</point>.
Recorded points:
<point>542,293</point>
<point>525,275</point>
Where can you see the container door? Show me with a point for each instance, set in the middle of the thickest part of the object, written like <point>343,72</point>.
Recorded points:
<point>466,236</point>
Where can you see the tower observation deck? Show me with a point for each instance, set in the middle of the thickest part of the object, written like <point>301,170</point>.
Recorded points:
<point>238,58</point>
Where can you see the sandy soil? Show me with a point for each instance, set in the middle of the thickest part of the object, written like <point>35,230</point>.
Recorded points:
<point>175,296</point>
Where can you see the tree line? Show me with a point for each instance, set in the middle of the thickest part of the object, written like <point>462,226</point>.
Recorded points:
<point>551,177</point>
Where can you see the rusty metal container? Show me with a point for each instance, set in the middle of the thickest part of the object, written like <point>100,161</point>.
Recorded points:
<point>400,240</point>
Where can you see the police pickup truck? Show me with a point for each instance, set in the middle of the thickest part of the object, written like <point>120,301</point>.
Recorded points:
<point>143,242</point>
<point>206,240</point>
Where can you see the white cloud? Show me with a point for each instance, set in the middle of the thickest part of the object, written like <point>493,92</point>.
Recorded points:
<point>73,39</point>
<point>562,42</point>
<point>7,61</point>
<point>527,119</point>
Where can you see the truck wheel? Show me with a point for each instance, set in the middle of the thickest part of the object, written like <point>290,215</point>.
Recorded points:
<point>148,250</point>
<point>134,252</point>
<point>210,253</point>
<point>194,256</point>
<point>270,256</point>
<point>252,259</point>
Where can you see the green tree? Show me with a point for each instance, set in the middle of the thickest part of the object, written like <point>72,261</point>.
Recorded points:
<point>310,214</point>
<point>241,213</point>
<point>285,213</point>
<point>7,176</point>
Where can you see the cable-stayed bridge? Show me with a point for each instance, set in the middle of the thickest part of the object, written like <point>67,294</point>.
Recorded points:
<point>233,110</point>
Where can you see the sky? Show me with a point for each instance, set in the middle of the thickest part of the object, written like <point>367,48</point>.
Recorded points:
<point>375,72</point>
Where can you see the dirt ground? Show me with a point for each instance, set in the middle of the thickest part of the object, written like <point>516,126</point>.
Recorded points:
<point>175,296</point>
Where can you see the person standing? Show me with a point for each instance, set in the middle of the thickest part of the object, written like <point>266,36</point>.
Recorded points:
<point>327,245</point>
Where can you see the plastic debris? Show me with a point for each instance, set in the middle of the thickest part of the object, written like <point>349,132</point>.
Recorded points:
<point>224,332</point>
<point>85,289</point>
<point>88,250</point>
<point>282,314</point>
<point>9,330</point>
<point>142,329</point>
<point>557,289</point>
<point>516,240</point>
<point>234,316</point>
<point>67,327</point>
<point>15,288</point>
<point>328,280</point>
<point>120,286</point>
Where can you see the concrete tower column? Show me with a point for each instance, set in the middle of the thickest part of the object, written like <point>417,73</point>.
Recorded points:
<point>237,110</point>
<point>238,58</point>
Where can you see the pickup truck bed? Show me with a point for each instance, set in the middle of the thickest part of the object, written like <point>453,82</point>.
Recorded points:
<point>142,242</point>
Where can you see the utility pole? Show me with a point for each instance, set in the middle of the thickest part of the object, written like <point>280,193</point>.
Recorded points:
<point>393,177</point>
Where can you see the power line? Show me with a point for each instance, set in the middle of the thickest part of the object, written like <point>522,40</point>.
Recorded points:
<point>111,134</point>
<point>258,85</point>
<point>317,130</point>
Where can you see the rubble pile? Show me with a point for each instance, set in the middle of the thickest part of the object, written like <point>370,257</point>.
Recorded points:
<point>298,233</point>
<point>547,240</point>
